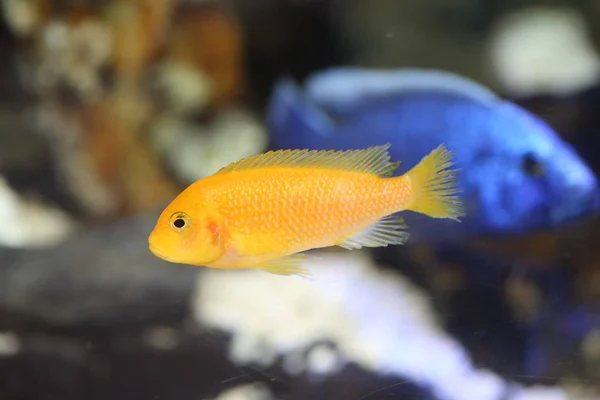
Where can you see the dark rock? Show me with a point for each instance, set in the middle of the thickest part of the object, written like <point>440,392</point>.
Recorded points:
<point>124,367</point>
<point>104,277</point>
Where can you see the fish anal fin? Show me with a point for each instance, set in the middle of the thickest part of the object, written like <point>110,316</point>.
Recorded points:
<point>388,230</point>
<point>288,265</point>
<point>372,160</point>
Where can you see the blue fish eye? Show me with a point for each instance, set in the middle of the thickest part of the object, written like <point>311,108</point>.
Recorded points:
<point>532,166</point>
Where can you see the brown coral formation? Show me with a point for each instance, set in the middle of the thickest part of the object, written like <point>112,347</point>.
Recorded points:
<point>103,73</point>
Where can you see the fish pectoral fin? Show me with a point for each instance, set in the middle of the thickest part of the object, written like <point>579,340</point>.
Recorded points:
<point>289,265</point>
<point>388,230</point>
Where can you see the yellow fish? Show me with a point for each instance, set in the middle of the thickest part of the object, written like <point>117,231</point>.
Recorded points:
<point>264,210</point>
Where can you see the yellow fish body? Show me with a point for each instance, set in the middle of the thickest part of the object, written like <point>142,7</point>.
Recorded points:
<point>262,211</point>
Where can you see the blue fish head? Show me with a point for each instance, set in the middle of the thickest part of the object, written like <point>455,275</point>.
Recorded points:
<point>527,177</point>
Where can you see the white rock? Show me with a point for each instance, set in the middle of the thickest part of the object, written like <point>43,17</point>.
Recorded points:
<point>195,151</point>
<point>544,50</point>
<point>161,338</point>
<point>9,344</point>
<point>246,392</point>
<point>27,223</point>
<point>376,319</point>
<point>188,89</point>
<point>21,16</point>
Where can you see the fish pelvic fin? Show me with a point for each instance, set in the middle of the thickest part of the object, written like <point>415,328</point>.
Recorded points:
<point>373,160</point>
<point>388,230</point>
<point>435,186</point>
<point>288,265</point>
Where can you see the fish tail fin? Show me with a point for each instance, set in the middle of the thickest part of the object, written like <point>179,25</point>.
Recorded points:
<point>435,186</point>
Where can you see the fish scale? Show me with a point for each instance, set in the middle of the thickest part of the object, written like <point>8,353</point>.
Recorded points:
<point>279,214</point>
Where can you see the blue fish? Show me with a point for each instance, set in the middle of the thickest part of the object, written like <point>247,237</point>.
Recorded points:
<point>516,174</point>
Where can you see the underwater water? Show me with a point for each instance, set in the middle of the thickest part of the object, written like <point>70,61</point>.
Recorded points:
<point>110,109</point>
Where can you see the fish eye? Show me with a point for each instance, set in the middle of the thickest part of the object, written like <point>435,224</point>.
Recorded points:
<point>532,166</point>
<point>179,222</point>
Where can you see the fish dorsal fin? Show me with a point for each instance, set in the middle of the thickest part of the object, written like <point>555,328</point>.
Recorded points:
<point>372,160</point>
<point>350,85</point>
<point>388,230</point>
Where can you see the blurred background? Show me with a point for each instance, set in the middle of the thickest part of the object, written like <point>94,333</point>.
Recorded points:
<point>109,108</point>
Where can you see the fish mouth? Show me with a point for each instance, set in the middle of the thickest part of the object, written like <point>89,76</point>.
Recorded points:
<point>577,209</point>
<point>162,255</point>
<point>157,252</point>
